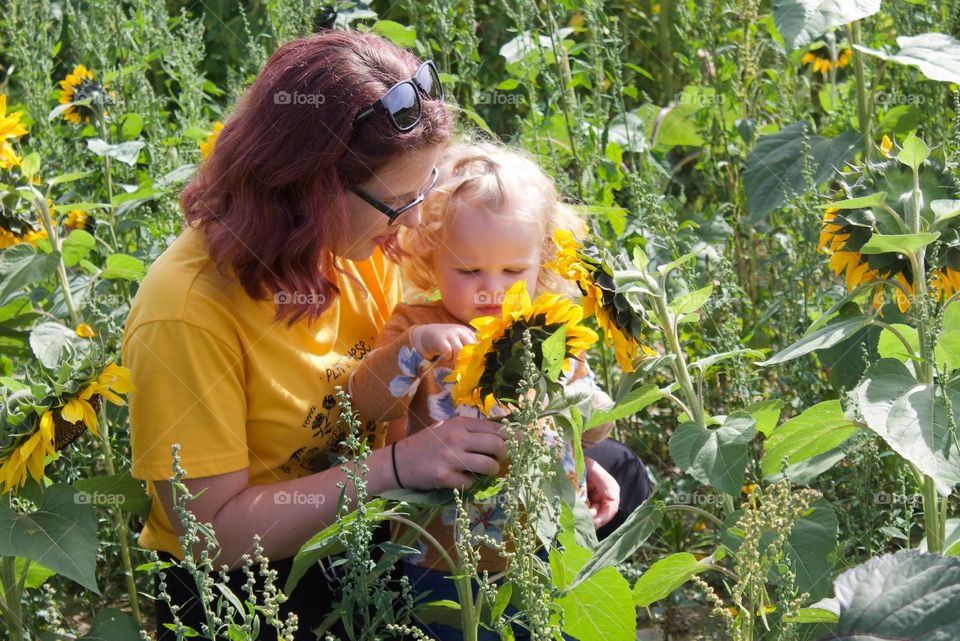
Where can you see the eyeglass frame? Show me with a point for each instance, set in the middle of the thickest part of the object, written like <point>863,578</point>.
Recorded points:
<point>394,214</point>
<point>378,105</point>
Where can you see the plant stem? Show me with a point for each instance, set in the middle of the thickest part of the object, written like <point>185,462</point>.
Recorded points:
<point>863,109</point>
<point>53,236</point>
<point>119,520</point>
<point>694,510</point>
<point>13,597</point>
<point>668,326</point>
<point>108,175</point>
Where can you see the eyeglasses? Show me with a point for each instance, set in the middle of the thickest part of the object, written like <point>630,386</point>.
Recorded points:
<point>401,102</point>
<point>390,212</point>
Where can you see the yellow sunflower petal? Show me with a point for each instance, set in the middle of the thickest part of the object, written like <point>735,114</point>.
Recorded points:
<point>886,145</point>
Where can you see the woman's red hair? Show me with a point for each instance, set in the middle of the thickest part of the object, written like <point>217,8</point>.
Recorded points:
<point>270,198</point>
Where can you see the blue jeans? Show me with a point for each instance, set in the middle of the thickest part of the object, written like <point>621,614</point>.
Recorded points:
<point>440,587</point>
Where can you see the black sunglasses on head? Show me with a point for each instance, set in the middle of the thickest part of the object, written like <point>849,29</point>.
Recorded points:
<point>401,102</point>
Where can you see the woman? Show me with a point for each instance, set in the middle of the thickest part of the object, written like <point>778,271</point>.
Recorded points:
<point>278,286</point>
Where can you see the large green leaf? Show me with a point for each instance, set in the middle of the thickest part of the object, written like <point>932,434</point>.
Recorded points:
<point>61,535</point>
<point>121,491</point>
<point>775,166</point>
<point>826,336</point>
<point>47,340</point>
<point>907,595</point>
<point>598,609</point>
<point>817,430</point>
<point>809,548</point>
<point>635,401</point>
<point>20,266</point>
<point>937,55</point>
<point>800,22</point>
<point>665,576</point>
<point>76,246</point>
<point>897,243</point>
<point>622,542</point>
<point>914,424</point>
<point>36,573</point>
<point>112,625</point>
<point>715,457</point>
<point>766,414</point>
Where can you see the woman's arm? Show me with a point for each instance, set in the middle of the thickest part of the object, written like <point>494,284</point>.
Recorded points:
<point>286,514</point>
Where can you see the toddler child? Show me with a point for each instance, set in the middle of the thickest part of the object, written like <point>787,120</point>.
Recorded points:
<point>488,224</point>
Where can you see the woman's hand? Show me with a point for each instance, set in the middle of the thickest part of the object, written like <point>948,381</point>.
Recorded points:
<point>449,453</point>
<point>603,492</point>
<point>441,339</point>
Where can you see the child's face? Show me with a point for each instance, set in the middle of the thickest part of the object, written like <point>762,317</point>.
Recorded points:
<point>482,257</point>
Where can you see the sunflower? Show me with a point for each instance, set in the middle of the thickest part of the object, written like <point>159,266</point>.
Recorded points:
<point>76,219</point>
<point>10,127</point>
<point>57,427</point>
<point>79,86</point>
<point>490,368</point>
<point>823,63</point>
<point>844,233</point>
<point>573,263</point>
<point>206,147</point>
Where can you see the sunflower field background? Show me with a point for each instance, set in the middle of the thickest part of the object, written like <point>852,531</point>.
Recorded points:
<point>775,195</point>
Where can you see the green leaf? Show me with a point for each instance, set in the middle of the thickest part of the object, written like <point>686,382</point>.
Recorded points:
<point>775,166</point>
<point>911,419</point>
<point>873,200</point>
<point>76,246</point>
<point>508,85</point>
<point>632,403</point>
<point>20,266</point>
<point>36,573</point>
<point>899,120</point>
<point>800,22</point>
<point>707,362</point>
<point>124,267</point>
<point>889,346</point>
<point>395,32</point>
<point>898,243</point>
<point>444,612</point>
<point>822,338</point>
<point>813,615</point>
<point>672,265</point>
<point>48,339</point>
<point>601,607</point>
<point>68,178</point>
<point>61,535</point>
<point>327,542</point>
<point>715,457</point>
<point>937,55</point>
<point>622,542</point>
<point>665,576</point>
<point>125,152</point>
<point>30,165</point>
<point>947,350</point>
<point>554,350</point>
<point>766,414</point>
<point>945,209</point>
<point>130,126</point>
<point>120,490</point>
<point>914,152</point>
<point>690,301</point>
<point>817,430</point>
<point>112,625</point>
<point>907,595</point>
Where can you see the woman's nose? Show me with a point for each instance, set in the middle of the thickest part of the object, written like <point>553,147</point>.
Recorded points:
<point>410,218</point>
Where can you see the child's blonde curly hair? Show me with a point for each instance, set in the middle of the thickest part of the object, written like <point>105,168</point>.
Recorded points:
<point>501,182</point>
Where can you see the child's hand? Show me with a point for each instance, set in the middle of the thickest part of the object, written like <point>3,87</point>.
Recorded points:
<point>438,339</point>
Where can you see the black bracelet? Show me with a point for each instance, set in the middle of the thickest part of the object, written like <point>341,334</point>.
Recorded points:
<point>393,457</point>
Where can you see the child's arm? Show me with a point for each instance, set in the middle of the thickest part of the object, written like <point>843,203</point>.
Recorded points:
<point>385,381</point>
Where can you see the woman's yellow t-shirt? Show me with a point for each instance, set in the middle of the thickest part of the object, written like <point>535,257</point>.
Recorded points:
<point>215,373</point>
